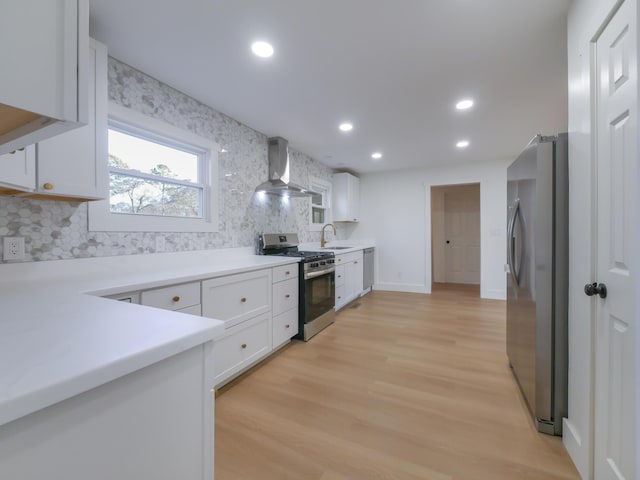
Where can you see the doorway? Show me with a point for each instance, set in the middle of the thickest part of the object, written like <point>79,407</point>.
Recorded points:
<point>455,235</point>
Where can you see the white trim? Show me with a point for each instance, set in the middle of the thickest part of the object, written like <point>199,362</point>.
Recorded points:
<point>328,187</point>
<point>401,287</point>
<point>102,219</point>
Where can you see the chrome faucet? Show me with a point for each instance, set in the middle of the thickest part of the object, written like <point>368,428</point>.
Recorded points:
<point>323,242</point>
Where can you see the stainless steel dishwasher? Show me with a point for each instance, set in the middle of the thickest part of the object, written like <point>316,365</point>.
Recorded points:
<point>367,283</point>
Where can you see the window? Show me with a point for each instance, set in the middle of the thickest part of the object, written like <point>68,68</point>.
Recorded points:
<point>320,208</point>
<point>159,178</point>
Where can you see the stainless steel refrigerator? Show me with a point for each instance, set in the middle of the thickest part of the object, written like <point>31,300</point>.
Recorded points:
<point>537,278</point>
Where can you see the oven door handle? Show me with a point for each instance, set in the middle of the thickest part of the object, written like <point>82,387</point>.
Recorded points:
<point>318,274</point>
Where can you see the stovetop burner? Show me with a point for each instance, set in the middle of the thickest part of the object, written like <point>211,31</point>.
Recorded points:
<point>286,245</point>
<point>307,256</point>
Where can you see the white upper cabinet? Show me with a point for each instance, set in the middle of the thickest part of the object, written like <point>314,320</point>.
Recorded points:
<point>346,197</point>
<point>64,167</point>
<point>43,52</point>
<point>18,171</point>
<point>67,162</point>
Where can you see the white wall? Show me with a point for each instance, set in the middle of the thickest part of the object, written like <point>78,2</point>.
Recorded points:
<point>585,17</point>
<point>395,209</point>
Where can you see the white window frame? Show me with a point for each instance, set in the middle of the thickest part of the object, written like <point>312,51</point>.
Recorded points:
<point>326,187</point>
<point>101,219</point>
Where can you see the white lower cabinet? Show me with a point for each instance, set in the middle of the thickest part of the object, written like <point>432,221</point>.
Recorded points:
<point>349,277</point>
<point>241,346</point>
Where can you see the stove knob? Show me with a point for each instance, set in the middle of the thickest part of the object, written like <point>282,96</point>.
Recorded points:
<point>314,265</point>
<point>323,263</point>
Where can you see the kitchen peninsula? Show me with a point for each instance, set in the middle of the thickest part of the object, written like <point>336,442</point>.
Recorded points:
<point>96,388</point>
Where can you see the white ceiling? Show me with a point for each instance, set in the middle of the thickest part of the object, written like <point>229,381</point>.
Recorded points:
<point>394,68</point>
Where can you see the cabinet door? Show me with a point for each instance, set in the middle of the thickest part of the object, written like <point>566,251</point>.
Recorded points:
<point>67,162</point>
<point>17,171</point>
<point>358,275</point>
<point>285,326</point>
<point>241,347</point>
<point>43,58</point>
<point>346,197</point>
<point>236,298</point>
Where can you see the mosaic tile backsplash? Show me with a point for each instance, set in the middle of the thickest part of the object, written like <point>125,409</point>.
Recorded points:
<point>59,230</point>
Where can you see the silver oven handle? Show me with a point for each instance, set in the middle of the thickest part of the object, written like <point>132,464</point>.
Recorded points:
<point>318,273</point>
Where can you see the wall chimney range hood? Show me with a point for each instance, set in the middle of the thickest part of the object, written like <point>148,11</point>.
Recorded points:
<point>278,183</point>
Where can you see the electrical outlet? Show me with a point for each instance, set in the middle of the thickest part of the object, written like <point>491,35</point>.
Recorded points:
<point>13,248</point>
<point>159,243</point>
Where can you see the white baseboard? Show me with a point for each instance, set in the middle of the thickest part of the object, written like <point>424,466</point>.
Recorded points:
<point>493,294</point>
<point>401,287</point>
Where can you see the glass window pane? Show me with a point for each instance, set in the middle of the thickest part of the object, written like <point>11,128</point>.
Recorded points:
<point>139,196</point>
<point>317,214</point>
<point>130,152</point>
<point>317,200</point>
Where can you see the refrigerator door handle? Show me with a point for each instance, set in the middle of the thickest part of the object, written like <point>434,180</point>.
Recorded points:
<point>511,250</point>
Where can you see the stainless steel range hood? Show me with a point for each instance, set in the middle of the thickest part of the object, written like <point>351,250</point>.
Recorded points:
<point>278,183</point>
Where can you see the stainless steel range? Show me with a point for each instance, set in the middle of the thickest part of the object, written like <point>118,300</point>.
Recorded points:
<point>317,284</point>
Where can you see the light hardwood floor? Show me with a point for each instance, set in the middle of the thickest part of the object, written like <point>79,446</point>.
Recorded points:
<point>402,386</point>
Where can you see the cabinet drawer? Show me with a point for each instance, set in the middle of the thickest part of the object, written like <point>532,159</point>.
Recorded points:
<point>174,297</point>
<point>237,298</point>
<point>241,346</point>
<point>285,296</point>
<point>285,272</point>
<point>339,276</point>
<point>285,326</point>
<point>192,310</point>
<point>349,257</point>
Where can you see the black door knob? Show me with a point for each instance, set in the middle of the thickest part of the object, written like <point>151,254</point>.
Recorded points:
<point>591,289</point>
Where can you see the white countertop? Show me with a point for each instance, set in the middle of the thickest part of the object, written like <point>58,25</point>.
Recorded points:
<point>58,339</point>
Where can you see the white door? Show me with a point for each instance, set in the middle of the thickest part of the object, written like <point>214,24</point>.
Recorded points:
<point>617,244</point>
<point>462,234</point>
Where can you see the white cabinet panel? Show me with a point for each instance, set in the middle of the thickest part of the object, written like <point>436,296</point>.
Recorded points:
<point>236,298</point>
<point>285,326</point>
<point>241,346</point>
<point>192,310</point>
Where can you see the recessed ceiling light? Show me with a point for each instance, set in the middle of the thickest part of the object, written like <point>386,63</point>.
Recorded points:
<point>346,127</point>
<point>262,49</point>
<point>376,156</point>
<point>462,144</point>
<point>464,104</point>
